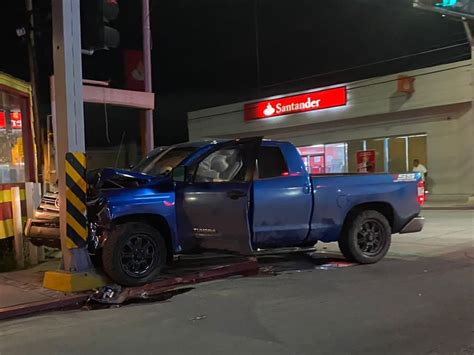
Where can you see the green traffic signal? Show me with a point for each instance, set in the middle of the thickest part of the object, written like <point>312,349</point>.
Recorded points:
<point>447,3</point>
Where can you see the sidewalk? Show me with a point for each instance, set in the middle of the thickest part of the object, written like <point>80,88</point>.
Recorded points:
<point>448,205</point>
<point>22,292</point>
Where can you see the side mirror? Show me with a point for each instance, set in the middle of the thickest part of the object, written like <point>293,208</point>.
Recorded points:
<point>179,173</point>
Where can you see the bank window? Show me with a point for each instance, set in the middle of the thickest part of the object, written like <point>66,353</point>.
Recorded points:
<point>271,163</point>
<point>313,158</point>
<point>335,158</point>
<point>224,165</point>
<point>417,149</point>
<point>325,158</point>
<point>398,157</point>
<point>387,154</point>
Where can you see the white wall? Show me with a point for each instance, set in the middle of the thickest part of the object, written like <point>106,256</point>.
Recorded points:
<point>442,107</point>
<point>435,86</point>
<point>450,144</point>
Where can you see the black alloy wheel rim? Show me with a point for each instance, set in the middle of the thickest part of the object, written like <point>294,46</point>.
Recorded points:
<point>371,237</point>
<point>138,255</point>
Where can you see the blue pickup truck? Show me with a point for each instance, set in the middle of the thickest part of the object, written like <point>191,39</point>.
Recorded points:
<point>241,196</point>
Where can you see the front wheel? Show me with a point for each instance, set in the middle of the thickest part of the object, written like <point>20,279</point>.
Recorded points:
<point>367,238</point>
<point>134,254</point>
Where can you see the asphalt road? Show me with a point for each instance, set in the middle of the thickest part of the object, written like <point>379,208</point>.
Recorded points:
<point>419,300</point>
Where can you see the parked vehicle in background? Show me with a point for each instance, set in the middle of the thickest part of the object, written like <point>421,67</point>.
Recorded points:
<point>43,228</point>
<point>240,196</point>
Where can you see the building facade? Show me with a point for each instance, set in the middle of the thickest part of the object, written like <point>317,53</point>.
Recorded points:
<point>17,160</point>
<point>17,154</point>
<point>385,123</point>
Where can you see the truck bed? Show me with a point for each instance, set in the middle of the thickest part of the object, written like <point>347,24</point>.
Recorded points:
<point>335,195</point>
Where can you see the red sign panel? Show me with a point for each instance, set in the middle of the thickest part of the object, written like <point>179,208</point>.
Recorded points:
<point>311,101</point>
<point>134,70</point>
<point>366,161</point>
<point>15,119</point>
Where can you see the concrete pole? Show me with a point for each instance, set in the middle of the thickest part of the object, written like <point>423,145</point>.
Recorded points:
<point>17,227</point>
<point>468,33</point>
<point>471,41</point>
<point>69,110</point>
<point>148,131</point>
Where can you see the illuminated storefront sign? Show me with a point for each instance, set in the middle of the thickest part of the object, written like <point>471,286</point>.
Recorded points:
<point>311,101</point>
<point>15,119</point>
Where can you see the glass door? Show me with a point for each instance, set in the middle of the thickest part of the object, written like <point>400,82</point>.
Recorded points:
<point>317,164</point>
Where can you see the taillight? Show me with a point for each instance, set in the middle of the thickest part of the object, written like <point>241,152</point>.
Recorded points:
<point>421,192</point>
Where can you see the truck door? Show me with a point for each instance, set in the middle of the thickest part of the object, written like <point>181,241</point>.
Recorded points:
<point>282,198</point>
<point>213,205</point>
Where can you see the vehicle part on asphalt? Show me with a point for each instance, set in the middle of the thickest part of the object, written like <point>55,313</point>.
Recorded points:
<point>199,318</point>
<point>109,294</point>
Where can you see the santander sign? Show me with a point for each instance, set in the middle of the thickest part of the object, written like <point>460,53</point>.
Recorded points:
<point>316,100</point>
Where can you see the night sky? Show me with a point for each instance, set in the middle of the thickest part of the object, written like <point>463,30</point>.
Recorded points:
<point>204,52</point>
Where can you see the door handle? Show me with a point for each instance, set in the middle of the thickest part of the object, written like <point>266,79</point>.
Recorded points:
<point>235,195</point>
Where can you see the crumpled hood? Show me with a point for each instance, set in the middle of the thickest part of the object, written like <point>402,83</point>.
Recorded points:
<point>110,178</point>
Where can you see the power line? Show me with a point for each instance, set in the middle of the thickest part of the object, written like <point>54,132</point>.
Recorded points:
<point>414,76</point>
<point>366,65</point>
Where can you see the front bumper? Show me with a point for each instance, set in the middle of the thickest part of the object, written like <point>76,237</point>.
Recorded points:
<point>414,226</point>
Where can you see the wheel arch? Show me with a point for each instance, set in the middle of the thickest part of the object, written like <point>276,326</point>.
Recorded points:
<point>384,208</point>
<point>156,221</point>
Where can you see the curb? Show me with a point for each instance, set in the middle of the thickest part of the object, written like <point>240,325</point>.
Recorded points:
<point>41,306</point>
<point>449,208</point>
<point>245,268</point>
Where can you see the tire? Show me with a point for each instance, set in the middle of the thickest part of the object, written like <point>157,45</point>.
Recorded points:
<point>367,238</point>
<point>134,254</point>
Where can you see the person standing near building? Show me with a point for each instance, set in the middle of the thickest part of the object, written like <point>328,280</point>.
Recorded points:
<point>420,168</point>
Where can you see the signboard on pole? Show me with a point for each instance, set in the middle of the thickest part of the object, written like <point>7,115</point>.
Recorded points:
<point>366,161</point>
<point>134,70</point>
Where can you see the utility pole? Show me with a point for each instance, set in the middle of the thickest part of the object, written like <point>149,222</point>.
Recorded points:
<point>257,48</point>
<point>468,33</point>
<point>69,113</point>
<point>34,79</point>
<point>149,132</point>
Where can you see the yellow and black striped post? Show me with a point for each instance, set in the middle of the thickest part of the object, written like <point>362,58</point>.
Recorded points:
<point>74,278</point>
<point>76,188</point>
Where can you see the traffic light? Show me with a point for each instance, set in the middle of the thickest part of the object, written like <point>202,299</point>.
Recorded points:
<point>96,16</point>
<point>446,3</point>
<point>456,8</point>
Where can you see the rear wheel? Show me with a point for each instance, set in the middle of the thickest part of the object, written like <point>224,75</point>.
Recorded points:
<point>134,254</point>
<point>367,238</point>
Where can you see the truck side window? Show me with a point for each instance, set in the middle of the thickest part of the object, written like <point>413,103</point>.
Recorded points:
<point>224,165</point>
<point>271,163</point>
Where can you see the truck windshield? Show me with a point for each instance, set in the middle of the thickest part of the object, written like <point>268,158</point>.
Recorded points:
<point>162,163</point>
